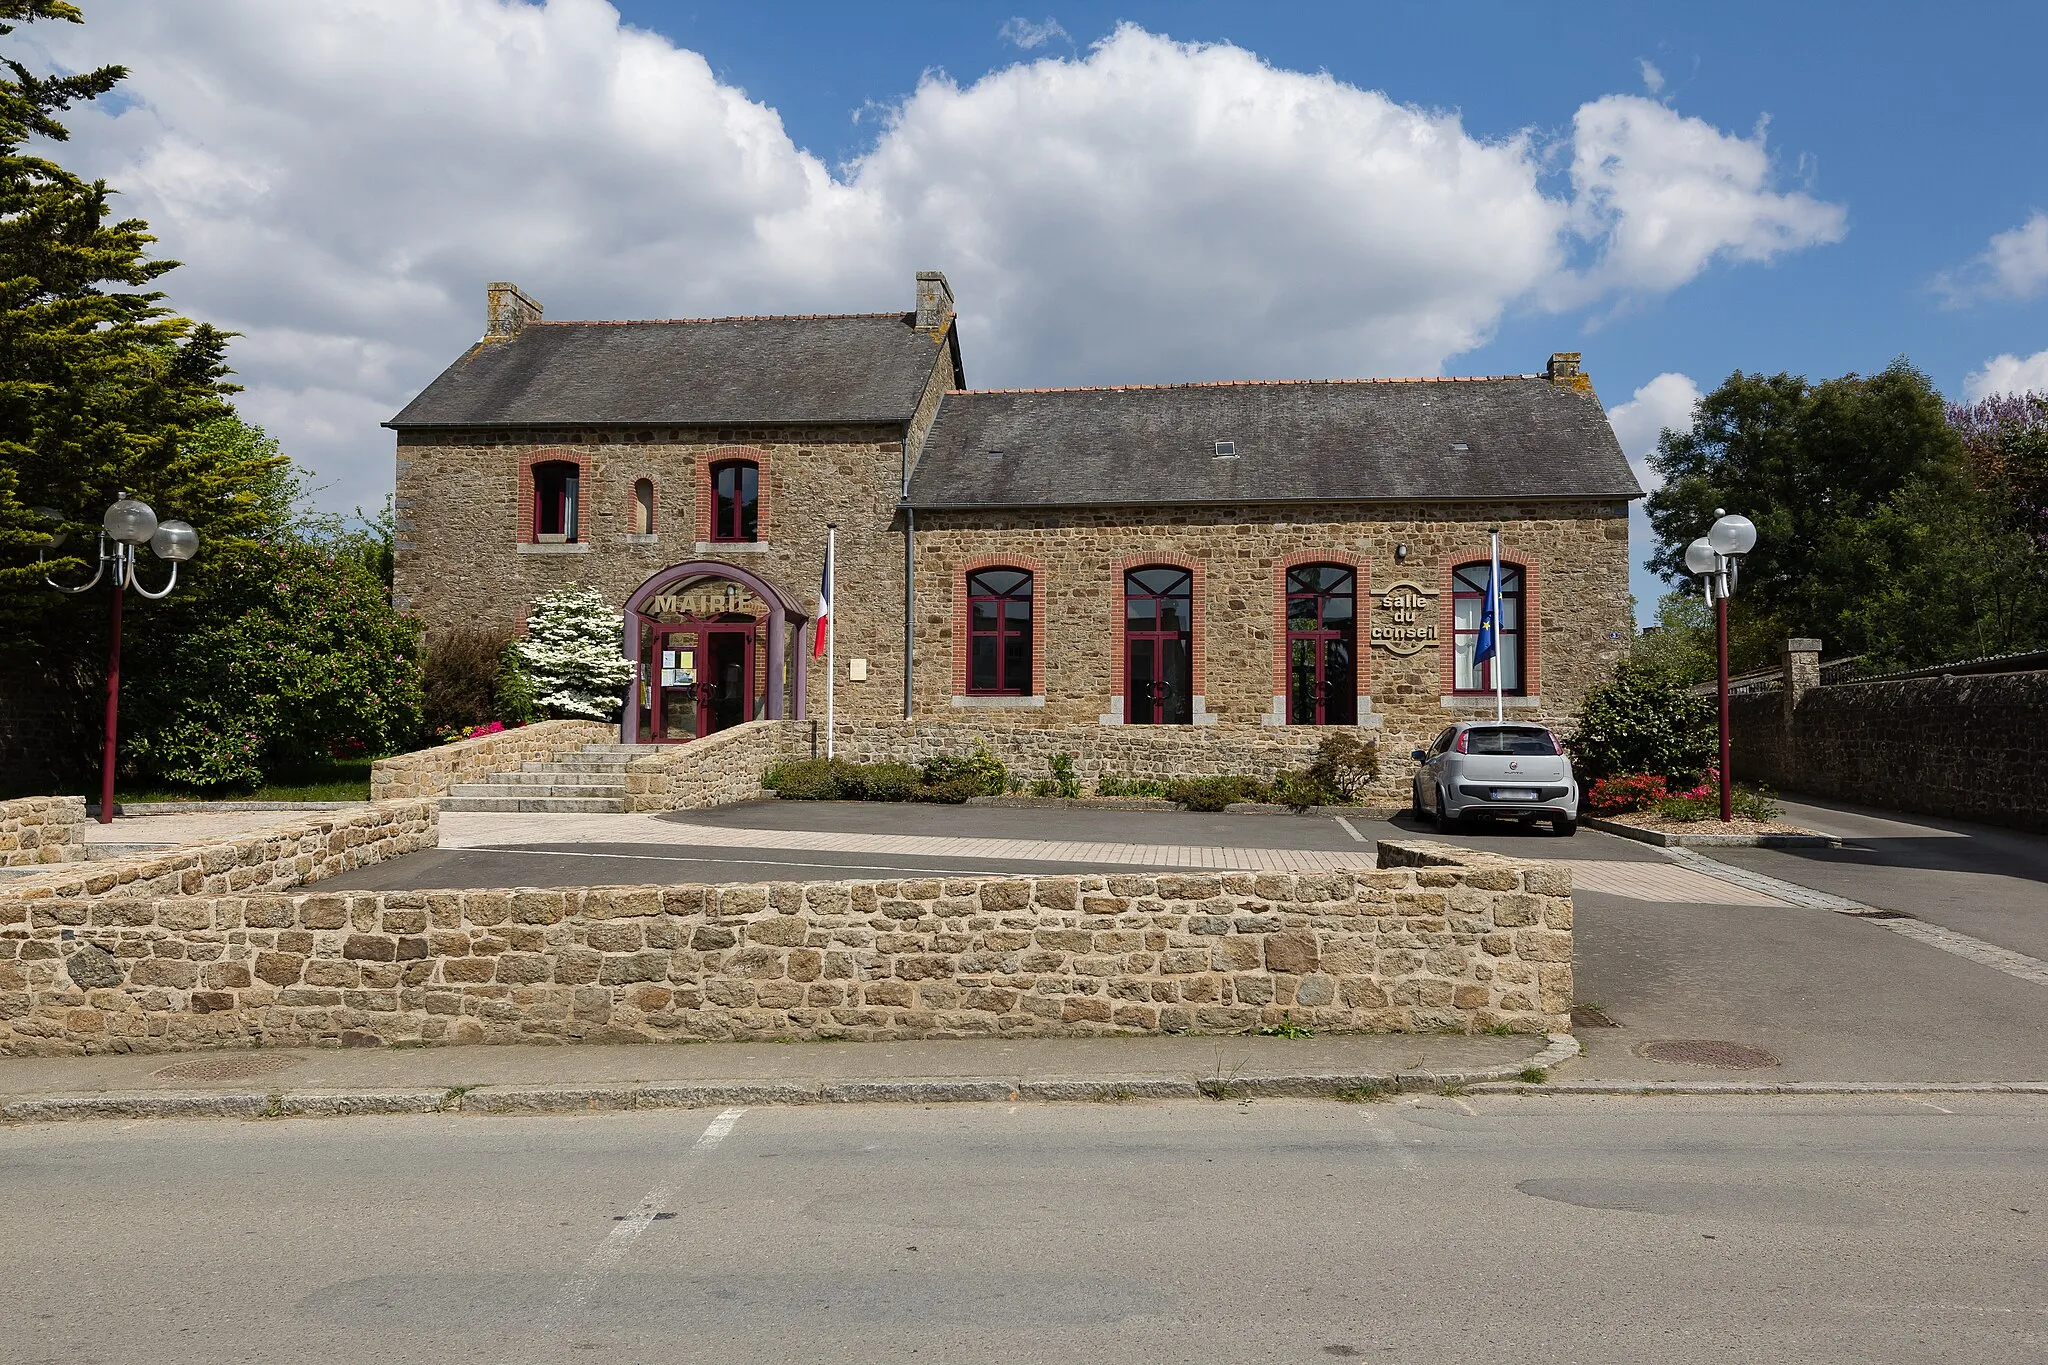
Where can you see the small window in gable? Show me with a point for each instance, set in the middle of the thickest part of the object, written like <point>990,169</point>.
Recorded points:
<point>555,494</point>
<point>643,507</point>
<point>735,500</point>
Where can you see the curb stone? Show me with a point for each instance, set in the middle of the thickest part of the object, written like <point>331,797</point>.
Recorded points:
<point>531,1100</point>
<point>1663,839</point>
<point>1765,1088</point>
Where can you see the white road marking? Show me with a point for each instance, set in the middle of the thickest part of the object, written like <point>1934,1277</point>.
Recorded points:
<point>1351,829</point>
<point>1930,1104</point>
<point>1464,1106</point>
<point>739,859</point>
<point>1403,1158</point>
<point>619,1242</point>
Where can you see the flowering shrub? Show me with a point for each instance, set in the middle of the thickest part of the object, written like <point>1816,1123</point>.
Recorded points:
<point>571,653</point>
<point>1626,792</point>
<point>1703,802</point>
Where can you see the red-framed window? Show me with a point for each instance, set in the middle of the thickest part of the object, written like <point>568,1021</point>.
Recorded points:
<point>555,496</point>
<point>1322,645</point>
<point>1468,605</point>
<point>1159,640</point>
<point>735,500</point>
<point>999,632</point>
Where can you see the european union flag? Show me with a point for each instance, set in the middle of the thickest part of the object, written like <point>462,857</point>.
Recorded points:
<point>1488,643</point>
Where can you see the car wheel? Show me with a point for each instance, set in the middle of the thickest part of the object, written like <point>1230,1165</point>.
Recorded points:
<point>1446,823</point>
<point>1564,826</point>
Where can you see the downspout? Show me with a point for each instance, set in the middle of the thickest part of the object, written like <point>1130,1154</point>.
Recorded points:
<point>909,572</point>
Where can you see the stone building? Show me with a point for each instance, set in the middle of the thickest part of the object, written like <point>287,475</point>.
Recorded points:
<point>1209,560</point>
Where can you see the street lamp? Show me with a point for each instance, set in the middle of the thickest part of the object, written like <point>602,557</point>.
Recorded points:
<point>128,525</point>
<point>1716,558</point>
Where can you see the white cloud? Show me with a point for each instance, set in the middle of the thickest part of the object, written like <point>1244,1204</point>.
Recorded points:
<point>2008,374</point>
<point>341,180</point>
<point>1666,401</point>
<point>1027,35</point>
<point>2014,266</point>
<point>1664,195</point>
<point>1653,79</point>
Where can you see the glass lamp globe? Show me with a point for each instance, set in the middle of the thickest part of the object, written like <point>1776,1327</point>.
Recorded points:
<point>175,541</point>
<point>1733,535</point>
<point>131,521</point>
<point>1701,558</point>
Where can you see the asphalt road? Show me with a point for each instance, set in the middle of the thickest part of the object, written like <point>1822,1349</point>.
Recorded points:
<point>1439,1230</point>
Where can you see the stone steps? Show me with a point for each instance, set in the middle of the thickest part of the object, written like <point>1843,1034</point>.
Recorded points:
<point>590,781</point>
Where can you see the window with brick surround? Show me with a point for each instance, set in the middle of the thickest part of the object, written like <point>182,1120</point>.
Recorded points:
<point>1159,641</point>
<point>643,507</point>
<point>1322,645</point>
<point>556,490</point>
<point>1468,582</point>
<point>999,632</point>
<point>736,500</point>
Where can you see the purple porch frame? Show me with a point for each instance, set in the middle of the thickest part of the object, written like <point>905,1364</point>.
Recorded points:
<point>783,617</point>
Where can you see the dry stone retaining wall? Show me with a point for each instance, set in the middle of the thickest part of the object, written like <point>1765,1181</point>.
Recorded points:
<point>1470,942</point>
<point>289,854</point>
<point>1154,751</point>
<point>716,770</point>
<point>432,772</point>
<point>42,829</point>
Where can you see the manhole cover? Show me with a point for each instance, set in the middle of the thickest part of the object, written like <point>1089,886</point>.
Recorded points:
<point>246,1067</point>
<point>1706,1052</point>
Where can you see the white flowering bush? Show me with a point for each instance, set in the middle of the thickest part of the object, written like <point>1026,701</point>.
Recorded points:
<point>571,651</point>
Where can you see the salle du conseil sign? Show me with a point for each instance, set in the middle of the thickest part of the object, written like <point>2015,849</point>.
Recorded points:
<point>1404,618</point>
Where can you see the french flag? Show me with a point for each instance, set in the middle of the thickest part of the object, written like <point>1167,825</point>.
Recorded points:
<point>824,606</point>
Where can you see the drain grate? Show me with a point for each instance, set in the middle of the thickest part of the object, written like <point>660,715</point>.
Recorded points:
<point>1707,1052</point>
<point>244,1067</point>
<point>1592,1016</point>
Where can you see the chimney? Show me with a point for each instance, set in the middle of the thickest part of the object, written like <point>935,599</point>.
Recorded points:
<point>506,310</point>
<point>934,303</point>
<point>1564,370</point>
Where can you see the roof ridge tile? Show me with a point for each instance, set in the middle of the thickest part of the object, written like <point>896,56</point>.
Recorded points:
<point>1255,383</point>
<point>744,317</point>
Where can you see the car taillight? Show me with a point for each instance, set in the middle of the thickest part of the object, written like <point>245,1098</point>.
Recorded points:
<point>1458,746</point>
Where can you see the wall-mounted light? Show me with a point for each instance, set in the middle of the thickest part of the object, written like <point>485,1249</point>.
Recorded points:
<point>1401,553</point>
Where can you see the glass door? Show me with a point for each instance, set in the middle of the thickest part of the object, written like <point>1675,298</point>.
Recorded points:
<point>728,685</point>
<point>677,708</point>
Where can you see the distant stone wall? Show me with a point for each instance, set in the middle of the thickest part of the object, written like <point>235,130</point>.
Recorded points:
<point>1467,942</point>
<point>291,853</point>
<point>1154,751</point>
<point>716,770</point>
<point>1973,747</point>
<point>431,772</point>
<point>42,829</point>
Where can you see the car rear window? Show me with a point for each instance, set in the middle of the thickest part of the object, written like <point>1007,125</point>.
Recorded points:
<point>1516,741</point>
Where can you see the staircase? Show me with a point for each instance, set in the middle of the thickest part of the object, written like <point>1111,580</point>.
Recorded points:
<point>592,781</point>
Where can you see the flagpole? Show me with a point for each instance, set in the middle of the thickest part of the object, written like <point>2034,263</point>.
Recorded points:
<point>1500,705</point>
<point>831,621</point>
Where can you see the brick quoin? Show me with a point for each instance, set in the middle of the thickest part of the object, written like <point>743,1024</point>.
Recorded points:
<point>705,503</point>
<point>1198,614</point>
<point>1361,644</point>
<point>1532,626</point>
<point>585,491</point>
<point>1040,580</point>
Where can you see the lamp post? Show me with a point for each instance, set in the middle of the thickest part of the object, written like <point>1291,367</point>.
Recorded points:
<point>1717,558</point>
<point>128,525</point>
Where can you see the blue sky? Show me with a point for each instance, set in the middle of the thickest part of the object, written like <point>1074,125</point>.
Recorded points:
<point>1676,191</point>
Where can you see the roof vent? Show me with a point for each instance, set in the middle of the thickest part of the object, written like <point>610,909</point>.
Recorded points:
<point>1459,446</point>
<point>1226,450</point>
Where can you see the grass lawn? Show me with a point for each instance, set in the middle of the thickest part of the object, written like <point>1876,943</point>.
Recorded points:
<point>347,780</point>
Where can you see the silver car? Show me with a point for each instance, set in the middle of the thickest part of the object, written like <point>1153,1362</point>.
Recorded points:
<point>1489,768</point>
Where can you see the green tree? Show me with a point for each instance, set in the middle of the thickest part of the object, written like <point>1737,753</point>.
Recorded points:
<point>1682,642</point>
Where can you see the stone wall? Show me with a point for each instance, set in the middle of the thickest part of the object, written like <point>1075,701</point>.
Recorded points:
<point>288,854</point>
<point>431,772</point>
<point>42,829</point>
<point>1155,751</point>
<point>1971,746</point>
<point>716,770</point>
<point>1475,942</point>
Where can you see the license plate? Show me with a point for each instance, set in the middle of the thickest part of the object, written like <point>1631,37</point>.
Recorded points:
<point>1513,794</point>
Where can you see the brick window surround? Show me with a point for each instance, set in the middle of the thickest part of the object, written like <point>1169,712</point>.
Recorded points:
<point>1532,630</point>
<point>1361,645</point>
<point>585,491</point>
<point>1039,582</point>
<point>705,501</point>
<point>1198,620</point>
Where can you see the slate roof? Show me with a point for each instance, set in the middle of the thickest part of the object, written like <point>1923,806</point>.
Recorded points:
<point>1523,436</point>
<point>868,367</point>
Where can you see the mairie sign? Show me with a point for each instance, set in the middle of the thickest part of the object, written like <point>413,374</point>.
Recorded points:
<point>1404,618</point>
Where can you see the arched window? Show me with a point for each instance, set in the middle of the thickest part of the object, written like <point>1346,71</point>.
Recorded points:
<point>554,500</point>
<point>735,500</point>
<point>1468,605</point>
<point>1159,646</point>
<point>1322,645</point>
<point>999,632</point>
<point>643,507</point>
